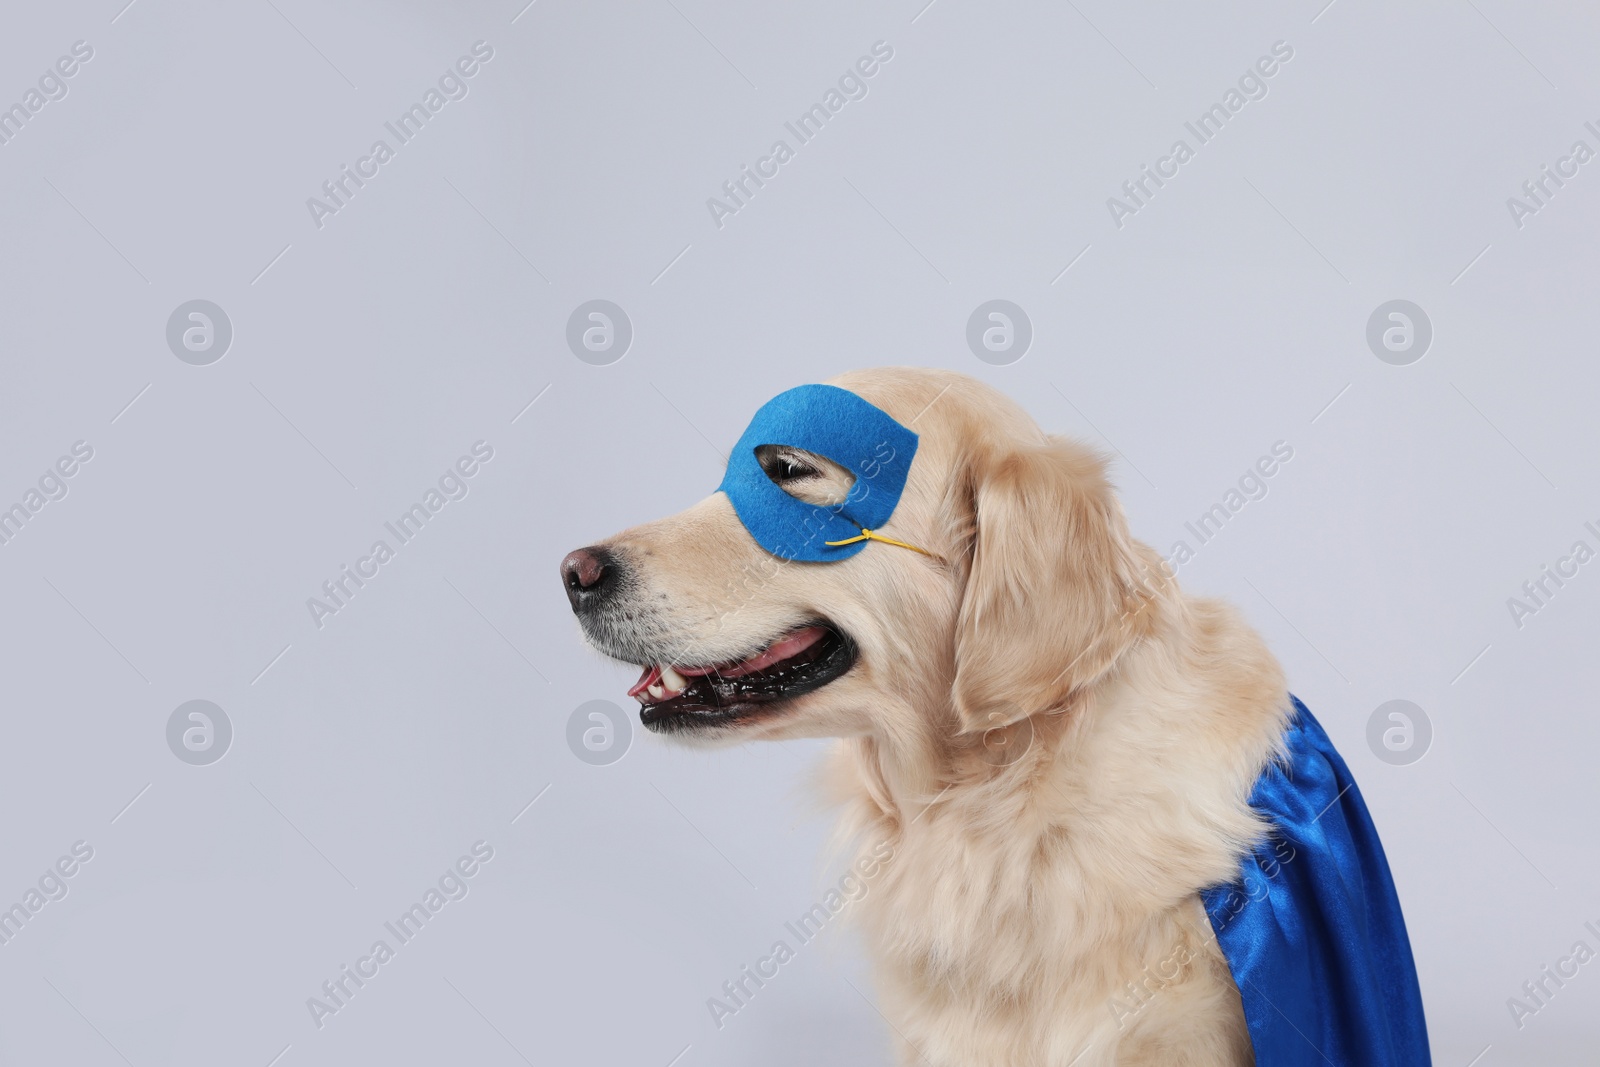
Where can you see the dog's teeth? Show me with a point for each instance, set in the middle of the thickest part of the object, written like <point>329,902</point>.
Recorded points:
<point>672,680</point>
<point>657,691</point>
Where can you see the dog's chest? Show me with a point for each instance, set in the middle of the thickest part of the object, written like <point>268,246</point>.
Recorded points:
<point>989,912</point>
<point>995,947</point>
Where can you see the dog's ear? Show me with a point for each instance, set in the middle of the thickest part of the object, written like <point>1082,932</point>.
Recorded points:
<point>1056,588</point>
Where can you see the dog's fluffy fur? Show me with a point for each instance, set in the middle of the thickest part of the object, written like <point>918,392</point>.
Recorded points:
<point>1055,741</point>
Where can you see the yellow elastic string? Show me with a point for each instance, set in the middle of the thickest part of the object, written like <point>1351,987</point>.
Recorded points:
<point>870,535</point>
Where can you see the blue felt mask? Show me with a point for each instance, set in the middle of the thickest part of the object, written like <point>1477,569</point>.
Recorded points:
<point>839,425</point>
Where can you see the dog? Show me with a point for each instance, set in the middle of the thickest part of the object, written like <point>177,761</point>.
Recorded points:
<point>1054,747</point>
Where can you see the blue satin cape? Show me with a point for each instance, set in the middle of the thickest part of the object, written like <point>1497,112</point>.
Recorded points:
<point>1313,931</point>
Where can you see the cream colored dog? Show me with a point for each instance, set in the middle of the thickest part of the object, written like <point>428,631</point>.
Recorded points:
<point>1054,741</point>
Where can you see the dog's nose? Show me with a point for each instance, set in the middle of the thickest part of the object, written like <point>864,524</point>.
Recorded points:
<point>590,575</point>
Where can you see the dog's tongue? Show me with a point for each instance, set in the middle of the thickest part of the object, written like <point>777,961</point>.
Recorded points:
<point>778,651</point>
<point>651,676</point>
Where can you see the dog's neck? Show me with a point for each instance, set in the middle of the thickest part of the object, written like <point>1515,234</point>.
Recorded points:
<point>1034,770</point>
<point>905,776</point>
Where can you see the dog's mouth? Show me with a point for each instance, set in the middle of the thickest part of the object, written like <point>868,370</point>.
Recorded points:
<point>675,697</point>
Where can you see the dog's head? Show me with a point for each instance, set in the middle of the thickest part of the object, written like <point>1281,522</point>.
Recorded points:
<point>1030,588</point>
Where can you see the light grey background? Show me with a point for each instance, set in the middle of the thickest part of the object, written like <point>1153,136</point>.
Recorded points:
<point>1228,314</point>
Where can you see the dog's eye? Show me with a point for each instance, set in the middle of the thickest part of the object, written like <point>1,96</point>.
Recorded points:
<point>790,470</point>
<point>785,467</point>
